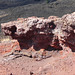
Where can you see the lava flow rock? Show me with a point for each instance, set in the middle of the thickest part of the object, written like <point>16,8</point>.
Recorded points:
<point>41,33</point>
<point>8,46</point>
<point>32,31</point>
<point>65,30</point>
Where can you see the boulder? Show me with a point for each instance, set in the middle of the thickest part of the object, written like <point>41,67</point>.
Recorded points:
<point>65,30</point>
<point>32,31</point>
<point>41,33</point>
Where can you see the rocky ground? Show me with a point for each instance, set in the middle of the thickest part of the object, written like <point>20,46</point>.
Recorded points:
<point>58,34</point>
<point>58,64</point>
<point>39,46</point>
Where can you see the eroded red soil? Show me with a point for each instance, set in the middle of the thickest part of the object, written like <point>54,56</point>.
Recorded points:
<point>59,64</point>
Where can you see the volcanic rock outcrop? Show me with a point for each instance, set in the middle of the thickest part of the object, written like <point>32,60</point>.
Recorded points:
<point>65,30</point>
<point>41,33</point>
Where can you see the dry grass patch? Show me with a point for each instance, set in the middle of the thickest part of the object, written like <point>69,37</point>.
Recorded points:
<point>4,38</point>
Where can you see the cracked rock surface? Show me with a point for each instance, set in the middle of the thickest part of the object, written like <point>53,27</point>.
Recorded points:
<point>41,33</point>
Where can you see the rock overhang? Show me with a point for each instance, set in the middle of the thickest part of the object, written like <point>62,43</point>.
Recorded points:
<point>40,33</point>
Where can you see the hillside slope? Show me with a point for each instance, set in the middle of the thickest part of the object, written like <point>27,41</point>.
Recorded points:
<point>37,8</point>
<point>12,3</point>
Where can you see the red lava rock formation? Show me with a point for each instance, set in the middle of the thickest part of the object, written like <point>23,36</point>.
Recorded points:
<point>65,30</point>
<point>41,33</point>
<point>6,47</point>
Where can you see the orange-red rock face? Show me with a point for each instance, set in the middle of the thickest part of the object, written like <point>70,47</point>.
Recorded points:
<point>41,33</point>
<point>8,46</point>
